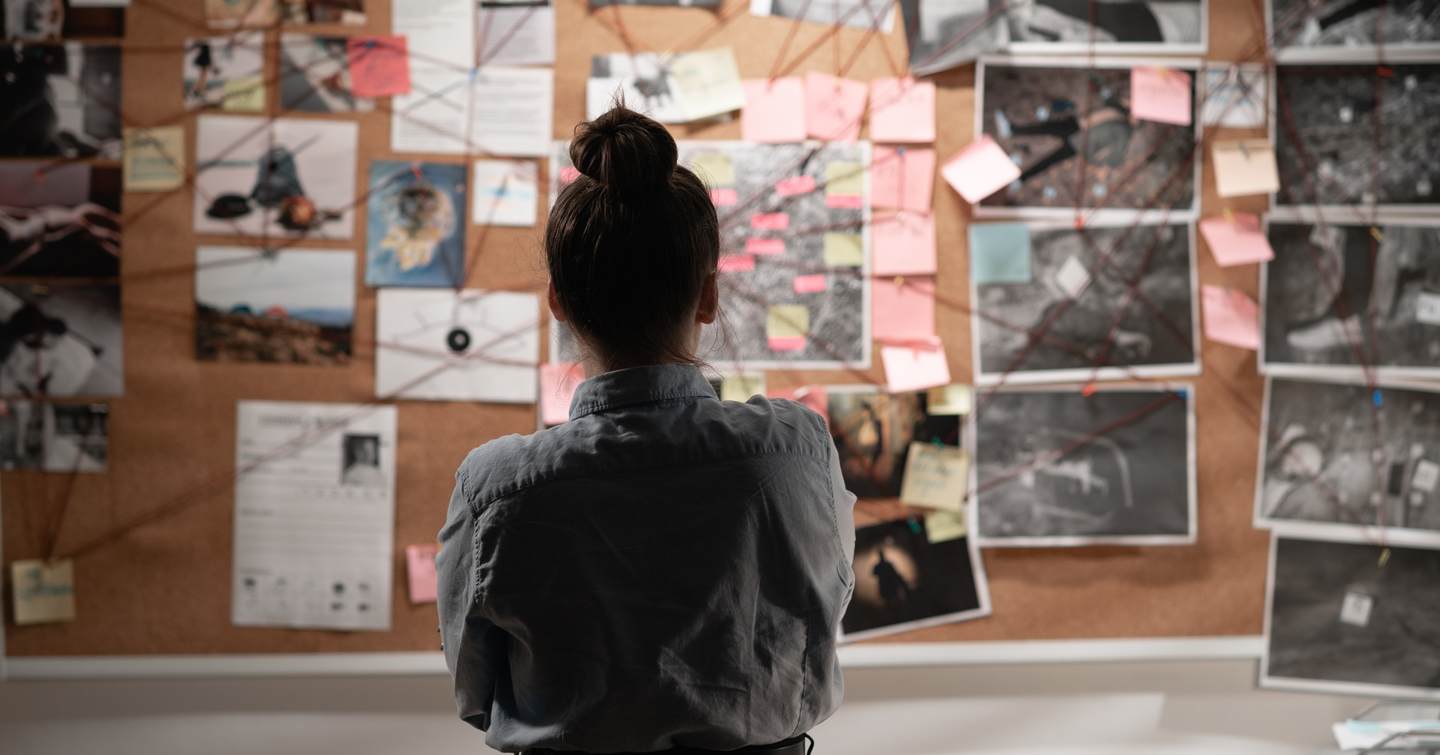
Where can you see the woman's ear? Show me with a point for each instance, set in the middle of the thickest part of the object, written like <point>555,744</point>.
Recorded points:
<point>709,307</point>
<point>555,308</point>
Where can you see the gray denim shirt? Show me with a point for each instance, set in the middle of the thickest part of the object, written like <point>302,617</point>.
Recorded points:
<point>665,569</point>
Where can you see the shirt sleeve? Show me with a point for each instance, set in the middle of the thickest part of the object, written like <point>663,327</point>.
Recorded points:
<point>474,648</point>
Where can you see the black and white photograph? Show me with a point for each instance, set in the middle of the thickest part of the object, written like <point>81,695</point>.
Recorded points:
<point>60,340</point>
<point>1349,457</point>
<point>1358,135</point>
<point>1070,130</point>
<point>350,12</point>
<point>59,219</point>
<point>873,431</point>
<point>947,33</point>
<point>1330,30</point>
<point>1079,302</point>
<point>858,14</point>
<point>360,466</point>
<point>1061,468</point>
<point>514,32</point>
<point>22,434</point>
<point>1345,299</point>
<point>1234,95</point>
<point>905,581</point>
<point>77,437</point>
<point>712,4</point>
<point>45,20</point>
<point>61,101</point>
<point>225,72</point>
<point>315,76</point>
<point>1353,618</point>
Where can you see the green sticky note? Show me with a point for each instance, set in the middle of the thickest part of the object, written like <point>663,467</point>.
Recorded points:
<point>714,168</point>
<point>999,253</point>
<point>844,179</point>
<point>244,94</point>
<point>787,321</point>
<point>844,250</point>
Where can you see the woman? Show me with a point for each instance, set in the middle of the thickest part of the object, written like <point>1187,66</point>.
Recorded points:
<point>666,571</point>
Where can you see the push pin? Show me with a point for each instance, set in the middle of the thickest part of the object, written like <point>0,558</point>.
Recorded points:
<point>458,339</point>
<point>1376,234</point>
<point>1384,557</point>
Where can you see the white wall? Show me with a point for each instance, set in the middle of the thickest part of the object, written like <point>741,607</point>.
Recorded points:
<point>1071,709</point>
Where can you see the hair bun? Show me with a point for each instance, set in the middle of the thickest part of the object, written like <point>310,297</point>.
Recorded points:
<point>625,151</point>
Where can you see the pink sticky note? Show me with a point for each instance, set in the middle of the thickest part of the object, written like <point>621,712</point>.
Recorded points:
<point>834,107</point>
<point>568,174</point>
<point>844,201</point>
<point>1231,317</point>
<point>379,66</point>
<point>774,110</point>
<point>812,397</point>
<point>902,178</point>
<point>1241,242</point>
<point>787,343</point>
<point>903,243</point>
<point>420,572</point>
<point>765,246</point>
<point>902,111</point>
<point>770,221</point>
<point>915,366</point>
<point>1160,94</point>
<point>903,309</point>
<point>558,381</point>
<point>980,169</point>
<point>795,186</point>
<point>724,197</point>
<point>736,263</point>
<point>811,284</point>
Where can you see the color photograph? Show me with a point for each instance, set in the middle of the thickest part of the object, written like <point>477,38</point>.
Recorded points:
<point>226,72</point>
<point>415,226</point>
<point>873,431</point>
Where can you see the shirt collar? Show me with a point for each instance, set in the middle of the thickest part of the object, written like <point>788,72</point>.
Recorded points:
<point>639,385</point>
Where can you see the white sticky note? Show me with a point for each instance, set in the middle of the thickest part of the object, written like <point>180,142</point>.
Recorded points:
<point>935,477</point>
<point>1427,308</point>
<point>1072,277</point>
<point>1355,611</point>
<point>44,592</point>
<point>1427,476</point>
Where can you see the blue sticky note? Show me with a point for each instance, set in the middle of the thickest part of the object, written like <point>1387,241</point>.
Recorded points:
<point>999,253</point>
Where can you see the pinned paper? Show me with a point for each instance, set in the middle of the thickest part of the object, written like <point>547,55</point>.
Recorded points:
<point>154,158</point>
<point>952,400</point>
<point>902,111</point>
<point>243,94</point>
<point>980,169</point>
<point>1356,608</point>
<point>714,168</point>
<point>770,221</point>
<point>844,250</point>
<point>936,477</point>
<point>724,197</point>
<point>1231,317</point>
<point>1427,308</point>
<point>999,253</point>
<point>1236,239</point>
<point>774,111</point>
<point>915,366</point>
<point>506,192</point>
<point>1161,94</point>
<point>558,381</point>
<point>944,526</point>
<point>741,387</point>
<point>903,243</point>
<point>1072,277</point>
<point>903,310</point>
<point>834,107</point>
<point>736,263</point>
<point>764,246</point>
<point>44,592</point>
<point>902,178</point>
<point>379,66</point>
<point>420,572</point>
<point>844,185</point>
<point>795,186</point>
<point>811,284</point>
<point>1245,167</point>
<point>787,326</point>
<point>1427,476</point>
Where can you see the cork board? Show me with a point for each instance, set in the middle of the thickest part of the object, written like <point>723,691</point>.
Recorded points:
<point>164,587</point>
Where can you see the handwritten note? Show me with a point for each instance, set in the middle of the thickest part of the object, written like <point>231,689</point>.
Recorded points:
<point>903,243</point>
<point>936,477</point>
<point>774,111</point>
<point>903,309</point>
<point>420,572</point>
<point>834,107</point>
<point>980,169</point>
<point>558,381</point>
<point>902,178</point>
<point>741,387</point>
<point>999,253</point>
<point>902,111</point>
<point>915,366</point>
<point>1161,95</point>
<point>844,250</point>
<point>379,66</point>
<point>1236,239</point>
<point>154,158</point>
<point>44,593</point>
<point>1230,317</point>
<point>1245,167</point>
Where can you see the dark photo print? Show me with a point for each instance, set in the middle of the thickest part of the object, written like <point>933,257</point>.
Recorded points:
<point>59,219</point>
<point>902,579</point>
<point>61,101</point>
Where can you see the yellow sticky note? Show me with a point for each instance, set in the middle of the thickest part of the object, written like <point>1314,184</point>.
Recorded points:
<point>844,179</point>
<point>945,525</point>
<point>243,94</point>
<point>44,592</point>
<point>948,401</point>
<point>787,321</point>
<point>741,387</point>
<point>936,477</point>
<point>714,168</point>
<point>1245,167</point>
<point>844,250</point>
<point>154,158</point>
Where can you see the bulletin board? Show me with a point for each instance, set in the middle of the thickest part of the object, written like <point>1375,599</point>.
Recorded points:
<point>152,537</point>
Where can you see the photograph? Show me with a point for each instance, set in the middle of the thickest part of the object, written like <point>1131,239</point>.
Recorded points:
<point>22,434</point>
<point>1070,130</point>
<point>38,20</point>
<point>873,431</point>
<point>315,76</point>
<point>514,32</point>
<point>948,33</point>
<point>859,14</point>
<point>261,178</point>
<point>1345,299</point>
<point>62,101</point>
<point>230,14</point>
<point>360,466</point>
<point>415,224</point>
<point>225,73</point>
<point>1078,298</point>
<point>77,437</point>
<point>1356,135</point>
<point>1234,96</point>
<point>60,219</point>
<point>457,345</point>
<point>294,306</point>
<point>1331,30</point>
<point>679,88</point>
<point>1062,468</point>
<point>905,580</point>
<point>1352,458</point>
<point>712,4</point>
<point>1352,618</point>
<point>351,12</point>
<point>60,340</point>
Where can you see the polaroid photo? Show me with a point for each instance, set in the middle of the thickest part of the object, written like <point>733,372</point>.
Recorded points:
<point>1079,291</point>
<point>1057,467</point>
<point>1351,617</point>
<point>225,72</point>
<point>415,224</point>
<point>1330,31</point>
<point>1324,121</point>
<point>1341,299</point>
<point>514,32</point>
<point>908,576</point>
<point>60,220</point>
<point>1234,95</point>
<point>680,88</point>
<point>63,100</point>
<point>315,76</point>
<point>467,345</point>
<point>1350,458</point>
<point>943,34</point>
<point>45,20</point>
<point>1057,117</point>
<point>258,177</point>
<point>873,430</point>
<point>878,15</point>
<point>61,340</point>
<point>349,12</point>
<point>294,306</point>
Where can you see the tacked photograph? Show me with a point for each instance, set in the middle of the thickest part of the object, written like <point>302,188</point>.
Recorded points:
<point>59,219</point>
<point>60,340</point>
<point>873,431</point>
<point>858,14</point>
<point>1329,30</point>
<point>907,577</point>
<point>62,100</point>
<point>44,20</point>
<point>315,76</point>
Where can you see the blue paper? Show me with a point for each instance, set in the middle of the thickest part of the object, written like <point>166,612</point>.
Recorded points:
<point>999,253</point>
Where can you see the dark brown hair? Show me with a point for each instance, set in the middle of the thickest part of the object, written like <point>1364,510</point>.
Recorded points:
<point>631,241</point>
